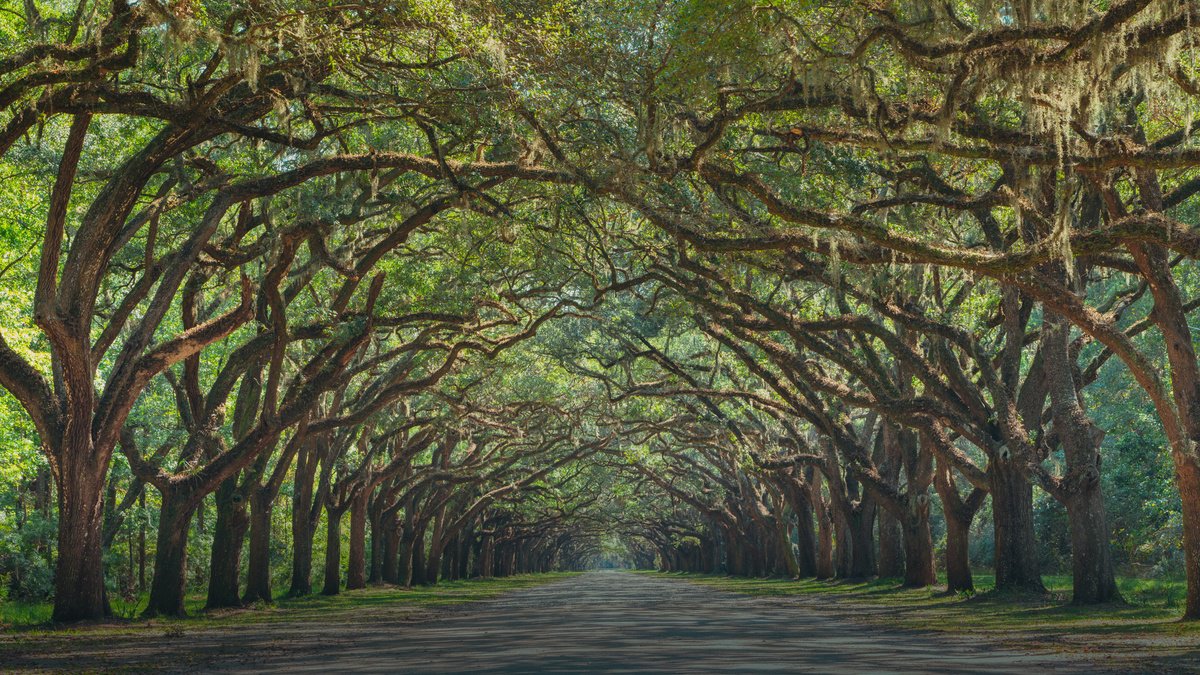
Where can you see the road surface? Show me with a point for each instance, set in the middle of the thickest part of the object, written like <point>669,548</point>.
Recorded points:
<point>597,622</point>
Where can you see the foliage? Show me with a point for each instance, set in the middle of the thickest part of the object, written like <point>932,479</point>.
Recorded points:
<point>762,287</point>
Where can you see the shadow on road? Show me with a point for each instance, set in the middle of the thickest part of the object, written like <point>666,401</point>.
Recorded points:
<point>602,621</point>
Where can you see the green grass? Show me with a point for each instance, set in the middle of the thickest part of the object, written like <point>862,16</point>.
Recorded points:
<point>33,620</point>
<point>24,613</point>
<point>1151,607</point>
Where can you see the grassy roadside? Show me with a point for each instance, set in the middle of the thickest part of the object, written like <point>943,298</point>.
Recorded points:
<point>388,601</point>
<point>1150,615</point>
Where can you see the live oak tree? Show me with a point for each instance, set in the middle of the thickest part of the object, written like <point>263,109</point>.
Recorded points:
<point>1020,134</point>
<point>113,258</point>
<point>712,286</point>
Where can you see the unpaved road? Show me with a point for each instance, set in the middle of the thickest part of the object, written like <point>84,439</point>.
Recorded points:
<point>602,621</point>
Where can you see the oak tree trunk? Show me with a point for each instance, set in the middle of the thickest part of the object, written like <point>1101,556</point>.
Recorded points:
<point>377,519</point>
<point>862,543</point>
<point>1079,490</point>
<point>824,556</point>
<point>1093,579</point>
<point>302,553</point>
<point>391,553</point>
<point>958,517</point>
<point>919,570</point>
<point>958,558</point>
<point>229,532</point>
<point>892,545</point>
<point>892,542</point>
<point>1016,563</point>
<point>333,552</point>
<point>258,575</point>
<point>356,572</point>
<point>417,564</point>
<point>167,586</point>
<point>1187,473</point>
<point>79,571</point>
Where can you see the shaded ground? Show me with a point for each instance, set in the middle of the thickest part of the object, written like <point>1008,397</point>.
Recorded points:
<point>1144,634</point>
<point>606,621</point>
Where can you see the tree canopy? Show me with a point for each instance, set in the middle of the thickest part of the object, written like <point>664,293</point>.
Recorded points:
<point>451,288</point>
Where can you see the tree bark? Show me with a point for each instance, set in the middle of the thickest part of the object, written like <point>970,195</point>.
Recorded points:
<point>433,563</point>
<point>79,571</point>
<point>891,546</point>
<point>958,515</point>
<point>783,535</point>
<point>958,558</point>
<point>306,513</point>
<point>824,558</point>
<point>142,542</point>
<point>333,552</point>
<point>229,532</point>
<point>258,576</point>
<point>1093,578</point>
<point>391,552</point>
<point>919,569</point>
<point>302,553</point>
<point>917,457</point>
<point>405,567</point>
<point>1187,473</point>
<point>806,539</point>
<point>862,543</point>
<point>892,541</point>
<point>450,559</point>
<point>463,569</point>
<point>417,555</point>
<point>377,518</point>
<point>356,572</point>
<point>487,557</point>
<point>167,586</point>
<point>1016,562</point>
<point>1170,315</point>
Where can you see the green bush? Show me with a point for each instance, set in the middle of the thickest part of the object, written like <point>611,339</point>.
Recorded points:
<point>27,574</point>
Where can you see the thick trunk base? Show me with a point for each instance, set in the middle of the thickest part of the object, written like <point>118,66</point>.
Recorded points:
<point>225,563</point>
<point>258,573</point>
<point>1093,579</point>
<point>1188,477</point>
<point>170,559</point>
<point>79,570</point>
<point>919,570</point>
<point>1017,568</point>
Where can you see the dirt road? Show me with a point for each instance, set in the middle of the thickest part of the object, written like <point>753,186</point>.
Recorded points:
<point>602,621</point>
